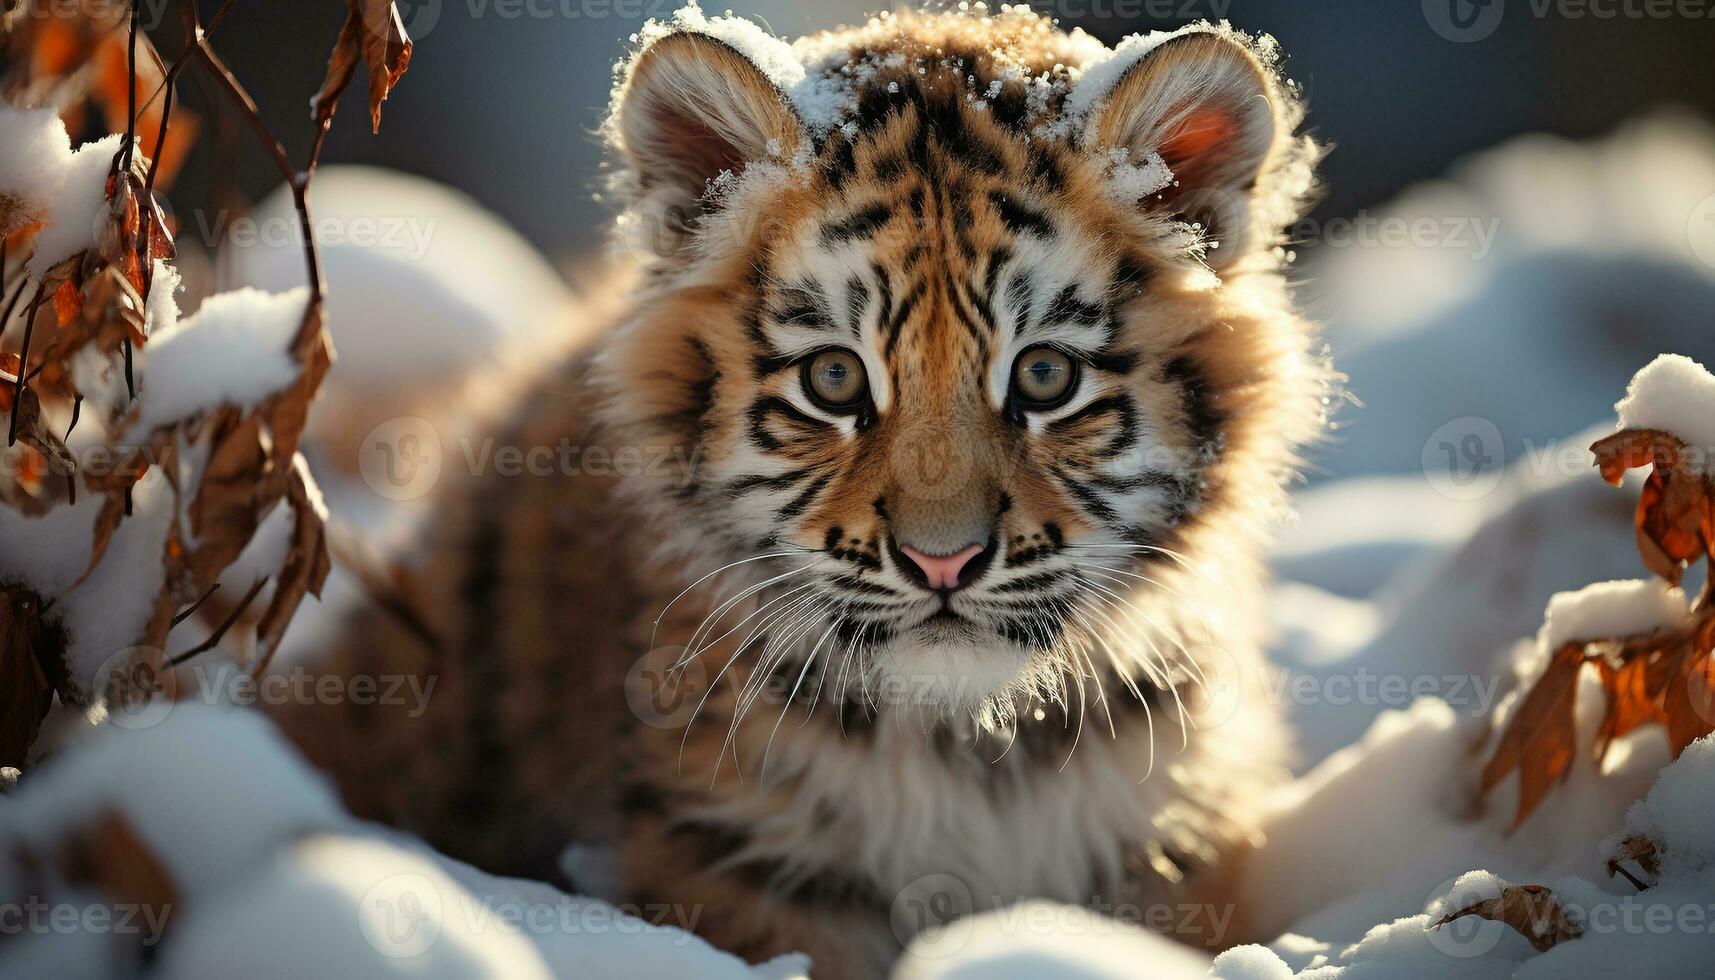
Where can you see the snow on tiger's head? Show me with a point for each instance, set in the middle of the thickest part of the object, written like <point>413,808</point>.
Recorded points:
<point>967,316</point>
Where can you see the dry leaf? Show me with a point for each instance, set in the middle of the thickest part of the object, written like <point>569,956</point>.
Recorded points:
<point>26,690</point>
<point>1641,850</point>
<point>375,33</point>
<point>1530,910</point>
<point>1634,697</point>
<point>1675,510</point>
<point>108,857</point>
<point>1539,739</point>
<point>307,563</point>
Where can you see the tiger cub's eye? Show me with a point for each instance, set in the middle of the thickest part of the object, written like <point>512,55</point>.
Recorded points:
<point>1043,377</point>
<point>835,380</point>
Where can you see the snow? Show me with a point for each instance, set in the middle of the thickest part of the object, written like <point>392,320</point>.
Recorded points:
<point>1130,182</point>
<point>253,839</point>
<point>1587,276</point>
<point>1102,74</point>
<point>1676,395</point>
<point>1678,810</point>
<point>235,350</point>
<point>76,205</point>
<point>34,152</point>
<point>1019,942</point>
<point>820,102</point>
<point>1611,610</point>
<point>106,613</point>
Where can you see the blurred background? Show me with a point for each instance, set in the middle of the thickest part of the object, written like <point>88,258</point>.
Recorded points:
<point>505,94</point>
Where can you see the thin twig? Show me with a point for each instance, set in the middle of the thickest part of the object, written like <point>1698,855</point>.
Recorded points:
<point>17,294</point>
<point>192,609</point>
<point>220,632</point>
<point>18,387</point>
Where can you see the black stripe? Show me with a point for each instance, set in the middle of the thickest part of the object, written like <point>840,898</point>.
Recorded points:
<point>771,405</point>
<point>744,485</point>
<point>1020,219</point>
<point>487,762</point>
<point>1030,583</point>
<point>804,306</point>
<point>864,224</point>
<point>857,303</point>
<point>1091,501</point>
<point>903,313</point>
<point>1125,432</point>
<point>1201,415</point>
<point>1068,308</point>
<point>799,504</point>
<point>968,318</point>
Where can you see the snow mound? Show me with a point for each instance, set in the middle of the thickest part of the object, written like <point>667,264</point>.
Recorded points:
<point>1675,394</point>
<point>253,840</point>
<point>1678,808</point>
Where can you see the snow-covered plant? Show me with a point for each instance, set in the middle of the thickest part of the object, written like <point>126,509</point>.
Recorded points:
<point>1651,647</point>
<point>144,449</point>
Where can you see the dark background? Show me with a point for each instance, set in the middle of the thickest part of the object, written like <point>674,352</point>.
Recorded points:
<point>503,96</point>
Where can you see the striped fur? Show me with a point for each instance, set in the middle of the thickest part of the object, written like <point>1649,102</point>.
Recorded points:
<point>1084,721</point>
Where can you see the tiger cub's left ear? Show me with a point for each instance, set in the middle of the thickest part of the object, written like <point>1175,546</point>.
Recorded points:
<point>1206,104</point>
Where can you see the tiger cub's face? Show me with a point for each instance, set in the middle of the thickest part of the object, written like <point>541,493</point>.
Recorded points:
<point>956,362</point>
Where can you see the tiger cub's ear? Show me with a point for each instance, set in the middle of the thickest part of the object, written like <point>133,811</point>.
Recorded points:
<point>692,108</point>
<point>1206,104</point>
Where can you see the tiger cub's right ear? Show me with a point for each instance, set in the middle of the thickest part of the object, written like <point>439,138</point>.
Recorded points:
<point>693,107</point>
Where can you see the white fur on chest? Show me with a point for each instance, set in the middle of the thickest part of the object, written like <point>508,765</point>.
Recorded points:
<point>890,807</point>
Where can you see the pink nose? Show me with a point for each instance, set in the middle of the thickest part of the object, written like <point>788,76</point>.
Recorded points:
<point>942,571</point>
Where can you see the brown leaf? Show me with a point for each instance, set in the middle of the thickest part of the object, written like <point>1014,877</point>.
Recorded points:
<point>1539,738</point>
<point>1641,850</point>
<point>1676,511</point>
<point>1689,702</point>
<point>1634,698</point>
<point>375,33</point>
<point>306,568</point>
<point>26,691</point>
<point>1530,910</point>
<point>109,857</point>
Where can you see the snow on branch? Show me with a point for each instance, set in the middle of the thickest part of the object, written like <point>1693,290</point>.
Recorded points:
<point>144,451</point>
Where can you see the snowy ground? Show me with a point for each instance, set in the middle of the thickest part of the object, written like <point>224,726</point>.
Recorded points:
<point>1413,585</point>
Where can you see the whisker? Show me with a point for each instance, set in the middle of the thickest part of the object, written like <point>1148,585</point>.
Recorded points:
<point>730,565</point>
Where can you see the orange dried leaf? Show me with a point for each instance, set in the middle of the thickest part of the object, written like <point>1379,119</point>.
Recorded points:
<point>1676,511</point>
<point>1539,739</point>
<point>1530,910</point>
<point>68,302</point>
<point>1632,449</point>
<point>1634,698</point>
<point>1689,703</point>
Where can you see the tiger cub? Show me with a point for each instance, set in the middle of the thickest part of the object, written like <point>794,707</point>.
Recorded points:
<point>938,438</point>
